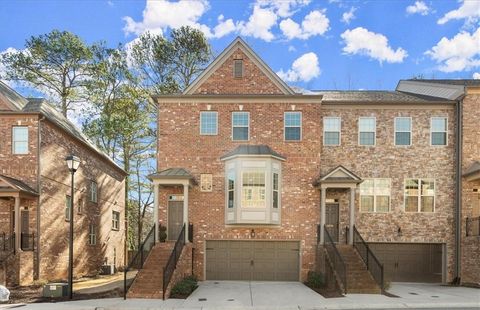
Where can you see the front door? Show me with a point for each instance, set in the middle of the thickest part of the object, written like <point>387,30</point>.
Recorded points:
<point>331,220</point>
<point>175,219</point>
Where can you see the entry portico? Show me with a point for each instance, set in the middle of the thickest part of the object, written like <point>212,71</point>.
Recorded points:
<point>338,178</point>
<point>171,177</point>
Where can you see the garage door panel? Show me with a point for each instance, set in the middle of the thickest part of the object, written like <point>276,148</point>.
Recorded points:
<point>252,260</point>
<point>410,262</point>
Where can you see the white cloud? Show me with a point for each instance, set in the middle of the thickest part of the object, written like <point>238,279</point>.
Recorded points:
<point>349,15</point>
<point>292,48</point>
<point>315,23</point>
<point>259,24</point>
<point>224,27</point>
<point>462,52</point>
<point>419,7</point>
<point>283,8</point>
<point>469,10</point>
<point>161,14</point>
<point>375,45</point>
<point>476,76</point>
<point>304,69</point>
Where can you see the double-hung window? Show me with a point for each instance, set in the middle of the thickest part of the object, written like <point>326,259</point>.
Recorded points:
<point>331,130</point>
<point>438,131</point>
<point>253,189</point>
<point>231,188</point>
<point>115,220</point>
<point>20,140</point>
<point>420,195</point>
<point>375,195</point>
<point>92,234</point>
<point>93,192</point>
<point>209,123</point>
<point>240,126</point>
<point>366,131</point>
<point>293,126</point>
<point>403,131</point>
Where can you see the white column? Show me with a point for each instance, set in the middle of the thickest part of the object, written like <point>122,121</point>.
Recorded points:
<point>352,215</point>
<point>17,224</point>
<point>185,210</point>
<point>155,209</point>
<point>323,197</point>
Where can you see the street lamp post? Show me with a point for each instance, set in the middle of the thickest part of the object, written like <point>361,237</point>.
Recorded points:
<point>73,162</point>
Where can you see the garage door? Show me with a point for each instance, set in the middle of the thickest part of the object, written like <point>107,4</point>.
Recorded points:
<point>252,260</point>
<point>410,262</point>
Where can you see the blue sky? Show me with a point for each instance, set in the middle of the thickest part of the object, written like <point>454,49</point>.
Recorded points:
<point>330,44</point>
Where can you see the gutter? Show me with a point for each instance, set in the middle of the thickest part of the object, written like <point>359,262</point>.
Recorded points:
<point>458,189</point>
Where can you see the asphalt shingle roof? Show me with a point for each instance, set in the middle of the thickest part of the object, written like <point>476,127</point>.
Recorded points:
<point>19,185</point>
<point>376,96</point>
<point>246,149</point>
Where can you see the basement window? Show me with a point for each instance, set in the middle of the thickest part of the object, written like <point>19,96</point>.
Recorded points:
<point>238,68</point>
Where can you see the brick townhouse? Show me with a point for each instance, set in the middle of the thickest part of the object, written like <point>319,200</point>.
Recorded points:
<point>271,177</point>
<point>35,198</point>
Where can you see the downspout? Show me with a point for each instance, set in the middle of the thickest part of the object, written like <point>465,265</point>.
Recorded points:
<point>458,189</point>
<point>39,184</point>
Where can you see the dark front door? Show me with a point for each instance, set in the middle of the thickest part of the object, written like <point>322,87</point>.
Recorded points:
<point>25,229</point>
<point>175,219</point>
<point>331,220</point>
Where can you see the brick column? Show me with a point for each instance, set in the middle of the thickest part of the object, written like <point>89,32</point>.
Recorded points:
<point>155,209</point>
<point>323,197</point>
<point>17,225</point>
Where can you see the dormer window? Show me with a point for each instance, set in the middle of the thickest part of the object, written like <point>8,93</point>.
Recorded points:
<point>238,68</point>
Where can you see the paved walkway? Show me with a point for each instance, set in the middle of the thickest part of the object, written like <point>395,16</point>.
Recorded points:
<point>285,296</point>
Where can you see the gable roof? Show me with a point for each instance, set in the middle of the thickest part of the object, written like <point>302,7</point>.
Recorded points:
<point>339,174</point>
<point>16,185</point>
<point>252,150</point>
<point>227,52</point>
<point>11,97</point>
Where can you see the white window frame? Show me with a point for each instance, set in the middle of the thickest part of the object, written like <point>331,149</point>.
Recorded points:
<point>216,124</point>
<point>92,234</point>
<point>395,131</point>
<point>115,221</point>
<point>374,131</point>
<point>265,186</point>
<point>93,191</point>
<point>339,130</point>
<point>445,132</point>
<point>285,126</point>
<point>419,196</point>
<point>375,197</point>
<point>236,126</point>
<point>15,140</point>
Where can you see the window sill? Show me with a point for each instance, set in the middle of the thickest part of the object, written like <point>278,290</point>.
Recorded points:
<point>116,229</point>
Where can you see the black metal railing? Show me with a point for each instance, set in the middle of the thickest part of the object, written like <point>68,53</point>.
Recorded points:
<point>27,242</point>
<point>473,226</point>
<point>173,259</point>
<point>336,259</point>
<point>369,258</point>
<point>7,242</point>
<point>137,261</point>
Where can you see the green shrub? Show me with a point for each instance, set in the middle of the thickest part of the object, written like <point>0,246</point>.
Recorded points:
<point>185,287</point>
<point>315,279</point>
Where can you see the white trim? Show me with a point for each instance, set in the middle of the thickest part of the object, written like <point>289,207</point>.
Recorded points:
<point>344,170</point>
<point>248,125</point>
<point>285,126</point>
<point>419,196</point>
<point>339,130</point>
<point>216,125</point>
<point>446,131</point>
<point>374,131</point>
<point>14,140</point>
<point>395,131</point>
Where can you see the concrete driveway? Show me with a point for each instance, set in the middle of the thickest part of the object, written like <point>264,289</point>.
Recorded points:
<point>252,294</point>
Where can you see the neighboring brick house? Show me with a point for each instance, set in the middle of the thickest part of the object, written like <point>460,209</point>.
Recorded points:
<point>253,164</point>
<point>34,195</point>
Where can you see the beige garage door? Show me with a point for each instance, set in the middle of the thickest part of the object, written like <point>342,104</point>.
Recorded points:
<point>253,260</point>
<point>410,262</point>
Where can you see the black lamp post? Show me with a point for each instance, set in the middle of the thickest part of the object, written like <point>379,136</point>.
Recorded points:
<point>73,162</point>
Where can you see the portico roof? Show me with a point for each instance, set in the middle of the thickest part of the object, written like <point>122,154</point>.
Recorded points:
<point>9,186</point>
<point>173,175</point>
<point>339,174</point>
<point>473,172</point>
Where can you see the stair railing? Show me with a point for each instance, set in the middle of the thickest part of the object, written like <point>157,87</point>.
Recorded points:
<point>138,260</point>
<point>173,259</point>
<point>369,258</point>
<point>336,259</point>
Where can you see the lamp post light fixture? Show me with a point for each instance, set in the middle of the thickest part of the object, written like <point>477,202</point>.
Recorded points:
<point>73,162</point>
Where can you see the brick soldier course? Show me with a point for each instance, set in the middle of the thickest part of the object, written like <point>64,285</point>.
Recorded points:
<point>41,182</point>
